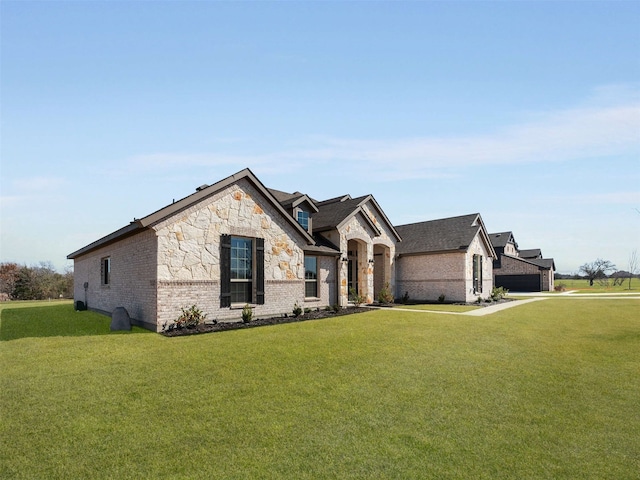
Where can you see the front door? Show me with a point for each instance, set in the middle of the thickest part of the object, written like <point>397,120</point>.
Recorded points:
<point>353,272</point>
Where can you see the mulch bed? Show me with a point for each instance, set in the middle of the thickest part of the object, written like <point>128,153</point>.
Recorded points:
<point>260,322</point>
<point>313,315</point>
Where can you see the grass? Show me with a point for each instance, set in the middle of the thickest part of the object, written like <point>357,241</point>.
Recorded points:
<point>548,389</point>
<point>52,319</point>
<point>582,286</point>
<point>437,307</point>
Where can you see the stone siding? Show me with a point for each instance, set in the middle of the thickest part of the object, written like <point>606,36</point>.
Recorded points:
<point>384,252</point>
<point>189,254</point>
<point>367,239</point>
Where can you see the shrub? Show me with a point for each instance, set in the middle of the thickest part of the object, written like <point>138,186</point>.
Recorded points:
<point>297,311</point>
<point>441,298</point>
<point>560,287</point>
<point>405,298</point>
<point>479,299</point>
<point>307,310</point>
<point>247,313</point>
<point>335,307</point>
<point>498,293</point>
<point>385,294</point>
<point>189,318</point>
<point>356,298</point>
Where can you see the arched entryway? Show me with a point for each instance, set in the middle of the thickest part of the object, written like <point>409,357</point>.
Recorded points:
<point>381,269</point>
<point>359,270</point>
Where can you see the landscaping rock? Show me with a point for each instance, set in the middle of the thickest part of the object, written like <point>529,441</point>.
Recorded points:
<point>120,319</point>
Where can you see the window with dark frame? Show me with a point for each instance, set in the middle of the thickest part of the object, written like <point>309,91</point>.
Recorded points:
<point>477,274</point>
<point>241,271</point>
<point>105,271</point>
<point>311,277</point>
<point>303,219</point>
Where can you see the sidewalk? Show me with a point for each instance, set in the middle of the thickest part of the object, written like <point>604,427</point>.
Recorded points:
<point>573,294</point>
<point>479,312</point>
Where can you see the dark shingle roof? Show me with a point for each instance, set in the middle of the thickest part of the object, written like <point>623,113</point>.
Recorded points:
<point>283,197</point>
<point>288,200</point>
<point>332,214</point>
<point>441,235</point>
<point>530,253</point>
<point>501,239</point>
<point>201,193</point>
<point>544,263</point>
<point>322,247</point>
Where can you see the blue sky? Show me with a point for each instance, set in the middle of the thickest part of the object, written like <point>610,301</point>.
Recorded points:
<point>527,112</point>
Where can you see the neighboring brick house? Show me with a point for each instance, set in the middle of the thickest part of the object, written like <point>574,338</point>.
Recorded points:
<point>520,270</point>
<point>451,257</point>
<point>236,243</point>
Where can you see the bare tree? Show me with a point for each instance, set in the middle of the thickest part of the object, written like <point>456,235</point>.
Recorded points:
<point>633,265</point>
<point>596,269</point>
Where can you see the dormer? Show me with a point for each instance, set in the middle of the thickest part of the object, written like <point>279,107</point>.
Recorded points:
<point>299,206</point>
<point>505,243</point>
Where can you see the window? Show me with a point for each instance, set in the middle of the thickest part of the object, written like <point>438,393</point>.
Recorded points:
<point>241,270</point>
<point>105,271</point>
<point>310,277</point>
<point>477,274</point>
<point>303,219</point>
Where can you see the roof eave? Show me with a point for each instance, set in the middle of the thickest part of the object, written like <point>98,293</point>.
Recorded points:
<point>433,252</point>
<point>381,212</point>
<point>357,210</point>
<point>131,229</point>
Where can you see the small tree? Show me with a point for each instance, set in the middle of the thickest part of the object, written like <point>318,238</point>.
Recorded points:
<point>596,269</point>
<point>385,295</point>
<point>356,298</point>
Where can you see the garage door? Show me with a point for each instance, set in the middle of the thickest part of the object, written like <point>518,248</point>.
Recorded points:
<point>519,283</point>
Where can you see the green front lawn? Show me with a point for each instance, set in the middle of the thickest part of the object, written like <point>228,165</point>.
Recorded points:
<point>438,307</point>
<point>582,286</point>
<point>51,319</point>
<point>548,389</point>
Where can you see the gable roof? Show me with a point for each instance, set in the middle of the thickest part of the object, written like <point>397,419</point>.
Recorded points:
<point>530,253</point>
<point>501,239</point>
<point>201,193</point>
<point>336,212</point>
<point>291,200</point>
<point>542,263</point>
<point>442,235</point>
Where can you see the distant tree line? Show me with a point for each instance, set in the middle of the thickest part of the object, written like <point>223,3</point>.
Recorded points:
<point>41,282</point>
<point>599,269</point>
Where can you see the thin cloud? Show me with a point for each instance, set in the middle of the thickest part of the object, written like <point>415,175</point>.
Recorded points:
<point>611,198</point>
<point>38,184</point>
<point>606,126</point>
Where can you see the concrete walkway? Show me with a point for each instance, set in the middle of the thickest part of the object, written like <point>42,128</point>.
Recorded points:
<point>481,312</point>
<point>537,296</point>
<point>478,312</point>
<point>573,295</point>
